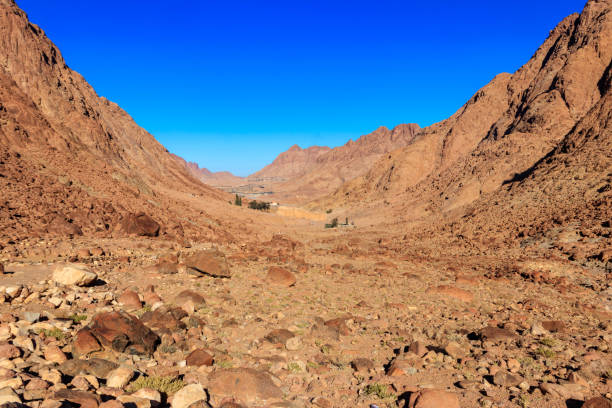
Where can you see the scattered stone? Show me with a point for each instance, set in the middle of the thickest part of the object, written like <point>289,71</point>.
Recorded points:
<point>565,391</point>
<point>554,326</point>
<point>189,395</point>
<point>293,344</point>
<point>505,379</point>
<point>73,274</point>
<point>130,300</point>
<point>280,276</point>
<point>123,332</point>
<point>148,393</point>
<point>97,367</point>
<point>138,224</point>
<point>454,350</point>
<point>210,262</point>
<point>433,399</point>
<point>279,336</point>
<point>496,334</point>
<point>452,291</point>
<point>362,364</point>
<point>248,386</point>
<point>119,377</point>
<point>54,354</point>
<point>7,396</point>
<point>85,343</point>
<point>199,358</point>
<point>83,398</point>
<point>597,402</point>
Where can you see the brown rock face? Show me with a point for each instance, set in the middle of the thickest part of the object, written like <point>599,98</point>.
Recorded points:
<point>85,343</point>
<point>123,333</point>
<point>280,276</point>
<point>74,163</point>
<point>245,385</point>
<point>83,399</point>
<point>209,262</point>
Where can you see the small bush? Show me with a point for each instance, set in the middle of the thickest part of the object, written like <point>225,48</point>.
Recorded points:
<point>333,224</point>
<point>77,318</point>
<point>238,201</point>
<point>329,211</point>
<point>259,205</point>
<point>548,342</point>
<point>545,352</point>
<point>167,385</point>
<point>380,390</point>
<point>57,333</point>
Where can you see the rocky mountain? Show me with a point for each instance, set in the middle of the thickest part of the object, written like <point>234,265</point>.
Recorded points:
<point>217,179</point>
<point>72,162</point>
<point>300,175</point>
<point>501,132</point>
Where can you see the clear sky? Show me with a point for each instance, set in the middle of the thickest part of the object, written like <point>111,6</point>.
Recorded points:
<point>230,84</point>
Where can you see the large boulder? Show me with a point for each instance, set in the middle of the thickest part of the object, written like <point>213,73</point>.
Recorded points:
<point>73,274</point>
<point>280,276</point>
<point>138,224</point>
<point>433,399</point>
<point>123,333</point>
<point>190,395</point>
<point>209,262</point>
<point>245,385</point>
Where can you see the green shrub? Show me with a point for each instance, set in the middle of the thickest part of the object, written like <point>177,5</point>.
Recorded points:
<point>238,201</point>
<point>77,318</point>
<point>333,224</point>
<point>167,385</point>
<point>380,390</point>
<point>259,205</point>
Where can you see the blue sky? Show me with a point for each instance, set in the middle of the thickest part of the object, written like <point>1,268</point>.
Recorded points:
<point>230,84</point>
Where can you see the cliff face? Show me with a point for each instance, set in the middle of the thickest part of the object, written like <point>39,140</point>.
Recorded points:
<point>65,149</point>
<point>503,130</point>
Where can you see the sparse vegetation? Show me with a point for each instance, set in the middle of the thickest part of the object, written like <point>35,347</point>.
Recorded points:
<point>329,211</point>
<point>294,367</point>
<point>238,201</point>
<point>380,390</point>
<point>167,385</point>
<point>332,224</point>
<point>548,342</point>
<point>259,205</point>
<point>142,311</point>
<point>545,352</point>
<point>57,333</point>
<point>77,318</point>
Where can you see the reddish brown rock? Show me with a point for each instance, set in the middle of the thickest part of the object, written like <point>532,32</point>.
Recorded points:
<point>452,291</point>
<point>130,300</point>
<point>554,326</point>
<point>9,351</point>
<point>597,402</point>
<point>209,262</point>
<point>496,334</point>
<point>279,336</point>
<point>246,385</point>
<point>199,358</point>
<point>85,343</point>
<point>280,276</point>
<point>123,332</point>
<point>54,354</point>
<point>139,224</point>
<point>433,399</point>
<point>82,398</point>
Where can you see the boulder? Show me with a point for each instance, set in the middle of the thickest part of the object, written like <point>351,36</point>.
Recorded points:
<point>119,377</point>
<point>280,276</point>
<point>453,292</point>
<point>209,262</point>
<point>433,399</point>
<point>83,399</point>
<point>198,358</point>
<point>73,274</point>
<point>123,332</point>
<point>130,300</point>
<point>138,224</point>
<point>246,385</point>
<point>189,395</point>
<point>97,367</point>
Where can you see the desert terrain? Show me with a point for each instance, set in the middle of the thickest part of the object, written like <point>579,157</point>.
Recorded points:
<point>475,269</point>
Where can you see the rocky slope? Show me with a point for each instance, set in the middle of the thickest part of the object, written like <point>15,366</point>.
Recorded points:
<point>71,161</point>
<point>503,130</point>
<point>300,175</point>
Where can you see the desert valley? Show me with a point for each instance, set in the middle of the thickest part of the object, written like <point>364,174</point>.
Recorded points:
<point>474,269</point>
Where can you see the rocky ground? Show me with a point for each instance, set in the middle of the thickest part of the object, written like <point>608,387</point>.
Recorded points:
<point>332,319</point>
